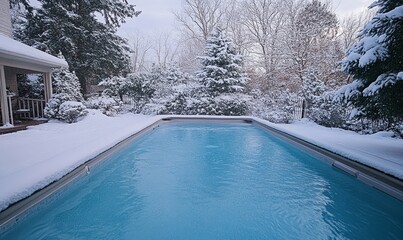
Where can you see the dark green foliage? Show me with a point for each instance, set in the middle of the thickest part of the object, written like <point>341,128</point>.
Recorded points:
<point>91,47</point>
<point>136,86</point>
<point>30,86</point>
<point>376,63</point>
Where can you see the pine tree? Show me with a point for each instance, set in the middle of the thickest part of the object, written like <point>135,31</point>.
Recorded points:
<point>376,64</point>
<point>90,46</point>
<point>221,65</point>
<point>312,90</point>
<point>66,82</point>
<point>66,102</point>
<point>222,78</point>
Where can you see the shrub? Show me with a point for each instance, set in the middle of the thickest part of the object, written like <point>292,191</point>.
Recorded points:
<point>107,105</point>
<point>70,111</point>
<point>62,107</point>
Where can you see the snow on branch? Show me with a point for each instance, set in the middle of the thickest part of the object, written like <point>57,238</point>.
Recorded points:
<point>384,80</point>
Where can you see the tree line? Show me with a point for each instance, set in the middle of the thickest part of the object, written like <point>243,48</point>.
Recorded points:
<point>289,49</point>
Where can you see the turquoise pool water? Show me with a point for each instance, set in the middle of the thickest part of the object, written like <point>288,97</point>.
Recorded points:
<point>213,181</point>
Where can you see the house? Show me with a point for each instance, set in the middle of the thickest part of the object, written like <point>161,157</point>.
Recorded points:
<point>18,58</point>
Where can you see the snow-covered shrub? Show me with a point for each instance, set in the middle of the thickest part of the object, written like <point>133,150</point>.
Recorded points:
<point>174,89</point>
<point>65,104</point>
<point>312,90</point>
<point>329,113</point>
<point>228,105</point>
<point>319,104</point>
<point>136,85</point>
<point>278,106</point>
<point>70,111</point>
<point>62,107</point>
<point>107,105</point>
<point>52,107</point>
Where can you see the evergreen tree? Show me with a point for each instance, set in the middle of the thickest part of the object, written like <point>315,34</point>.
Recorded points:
<point>66,104</point>
<point>221,65</point>
<point>30,86</point>
<point>376,64</point>
<point>312,90</point>
<point>90,46</point>
<point>66,82</point>
<point>222,78</point>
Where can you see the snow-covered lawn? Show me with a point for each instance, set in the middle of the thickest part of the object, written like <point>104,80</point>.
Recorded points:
<point>379,150</point>
<point>31,159</point>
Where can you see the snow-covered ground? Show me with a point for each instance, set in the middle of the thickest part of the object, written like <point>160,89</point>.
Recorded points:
<point>31,159</point>
<point>379,150</point>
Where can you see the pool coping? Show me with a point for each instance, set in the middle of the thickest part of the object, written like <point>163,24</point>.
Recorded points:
<point>370,176</point>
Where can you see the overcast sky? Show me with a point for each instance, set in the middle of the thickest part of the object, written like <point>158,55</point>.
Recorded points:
<point>157,18</point>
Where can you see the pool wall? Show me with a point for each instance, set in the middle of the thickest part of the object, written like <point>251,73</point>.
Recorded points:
<point>372,177</point>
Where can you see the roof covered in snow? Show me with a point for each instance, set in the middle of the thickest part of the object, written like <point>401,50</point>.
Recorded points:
<point>17,52</point>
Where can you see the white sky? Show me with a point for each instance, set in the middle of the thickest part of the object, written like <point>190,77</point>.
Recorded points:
<point>157,17</point>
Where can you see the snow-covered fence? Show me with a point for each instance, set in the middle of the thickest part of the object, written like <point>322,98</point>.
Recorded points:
<point>298,108</point>
<point>31,108</point>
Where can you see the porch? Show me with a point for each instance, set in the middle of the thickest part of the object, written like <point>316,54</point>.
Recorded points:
<point>23,109</point>
<point>21,105</point>
<point>19,59</point>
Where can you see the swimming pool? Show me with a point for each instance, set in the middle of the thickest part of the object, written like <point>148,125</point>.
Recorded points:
<point>213,181</point>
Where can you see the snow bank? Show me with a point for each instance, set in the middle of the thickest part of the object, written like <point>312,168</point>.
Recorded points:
<point>34,158</point>
<point>379,150</point>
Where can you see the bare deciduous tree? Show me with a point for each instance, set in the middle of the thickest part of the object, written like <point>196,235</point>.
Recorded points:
<point>264,21</point>
<point>351,25</point>
<point>165,50</point>
<point>200,17</point>
<point>140,47</point>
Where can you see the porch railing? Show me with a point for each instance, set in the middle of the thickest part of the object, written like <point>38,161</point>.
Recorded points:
<point>30,108</point>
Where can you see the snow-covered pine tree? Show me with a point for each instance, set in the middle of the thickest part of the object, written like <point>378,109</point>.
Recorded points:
<point>221,77</point>
<point>221,65</point>
<point>66,82</point>
<point>89,45</point>
<point>319,104</point>
<point>66,102</point>
<point>312,90</point>
<point>376,64</point>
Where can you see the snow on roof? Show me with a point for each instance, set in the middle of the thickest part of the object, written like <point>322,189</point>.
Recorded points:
<point>12,49</point>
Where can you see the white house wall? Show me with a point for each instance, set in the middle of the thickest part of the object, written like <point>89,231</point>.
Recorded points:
<point>5,18</point>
